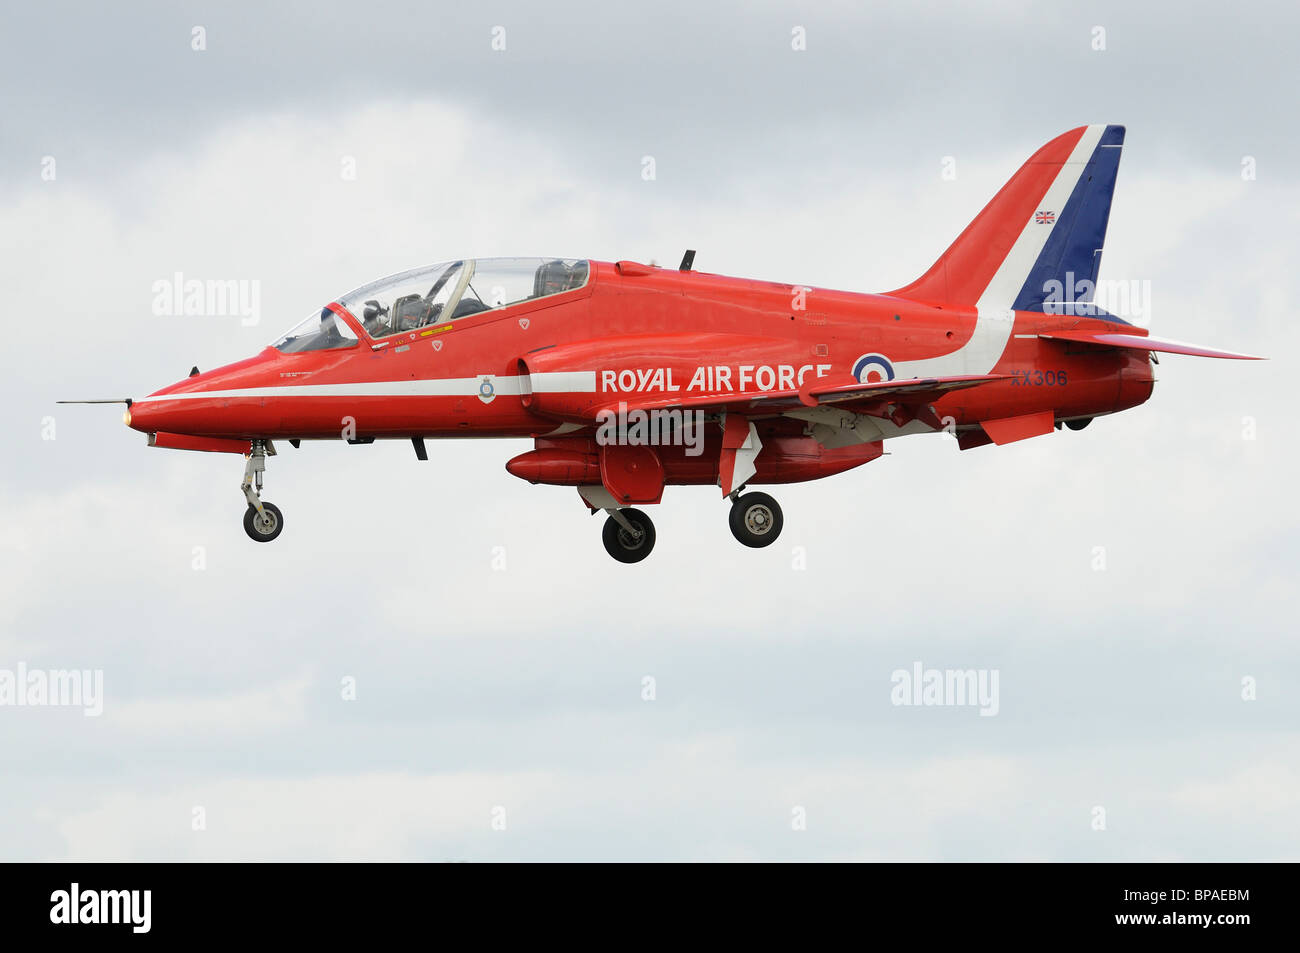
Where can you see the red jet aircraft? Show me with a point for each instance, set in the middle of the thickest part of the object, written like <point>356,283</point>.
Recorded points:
<point>630,378</point>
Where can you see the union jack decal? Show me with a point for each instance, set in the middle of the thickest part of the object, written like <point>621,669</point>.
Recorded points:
<point>1044,218</point>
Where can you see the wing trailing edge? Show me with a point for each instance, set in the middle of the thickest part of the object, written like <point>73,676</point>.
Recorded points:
<point>814,394</point>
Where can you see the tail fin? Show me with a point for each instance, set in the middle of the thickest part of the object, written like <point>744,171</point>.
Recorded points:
<point>1048,223</point>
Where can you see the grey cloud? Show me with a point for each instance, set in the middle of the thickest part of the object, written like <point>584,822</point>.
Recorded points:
<point>1119,688</point>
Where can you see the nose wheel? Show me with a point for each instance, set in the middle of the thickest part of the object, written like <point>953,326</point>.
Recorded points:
<point>629,535</point>
<point>264,526</point>
<point>756,520</point>
<point>263,522</point>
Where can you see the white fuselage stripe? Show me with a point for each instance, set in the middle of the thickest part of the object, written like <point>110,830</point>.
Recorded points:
<point>563,382</point>
<point>1011,274</point>
<point>544,383</point>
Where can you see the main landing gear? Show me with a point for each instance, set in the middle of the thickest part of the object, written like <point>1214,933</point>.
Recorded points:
<point>755,519</point>
<point>262,521</point>
<point>629,535</point>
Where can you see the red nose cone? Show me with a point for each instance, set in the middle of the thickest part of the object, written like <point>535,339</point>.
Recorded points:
<point>154,413</point>
<point>212,403</point>
<point>139,417</point>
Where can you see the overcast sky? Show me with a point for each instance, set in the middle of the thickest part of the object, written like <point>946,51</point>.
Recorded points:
<point>488,694</point>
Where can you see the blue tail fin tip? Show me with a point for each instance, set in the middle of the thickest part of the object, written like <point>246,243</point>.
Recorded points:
<point>1064,277</point>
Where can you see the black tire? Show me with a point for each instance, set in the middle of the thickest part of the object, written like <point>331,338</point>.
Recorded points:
<point>756,520</point>
<point>1078,424</point>
<point>258,533</point>
<point>622,545</point>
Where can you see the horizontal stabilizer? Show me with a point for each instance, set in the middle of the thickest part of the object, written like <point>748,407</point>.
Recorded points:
<point>1140,342</point>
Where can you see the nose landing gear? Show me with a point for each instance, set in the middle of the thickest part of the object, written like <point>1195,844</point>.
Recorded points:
<point>263,522</point>
<point>264,526</point>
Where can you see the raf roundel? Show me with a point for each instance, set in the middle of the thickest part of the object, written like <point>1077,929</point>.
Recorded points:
<point>873,368</point>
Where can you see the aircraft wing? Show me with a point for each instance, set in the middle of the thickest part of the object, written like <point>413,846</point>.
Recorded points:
<point>897,400</point>
<point>918,390</point>
<point>914,389</point>
<point>1140,342</point>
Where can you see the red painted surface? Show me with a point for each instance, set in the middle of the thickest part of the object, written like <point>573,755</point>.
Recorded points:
<point>677,322</point>
<point>558,467</point>
<point>640,339</point>
<point>632,474</point>
<point>1011,429</point>
<point>177,441</point>
<point>964,270</point>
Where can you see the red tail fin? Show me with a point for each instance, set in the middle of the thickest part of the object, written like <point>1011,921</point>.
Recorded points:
<point>1048,221</point>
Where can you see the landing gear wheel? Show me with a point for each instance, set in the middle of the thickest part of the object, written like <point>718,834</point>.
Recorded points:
<point>629,547</point>
<point>266,527</point>
<point>756,520</point>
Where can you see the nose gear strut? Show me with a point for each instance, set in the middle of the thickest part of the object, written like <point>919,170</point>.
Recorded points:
<point>263,522</point>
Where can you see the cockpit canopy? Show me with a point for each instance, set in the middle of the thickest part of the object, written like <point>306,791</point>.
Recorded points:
<point>436,294</point>
<point>456,289</point>
<point>323,332</point>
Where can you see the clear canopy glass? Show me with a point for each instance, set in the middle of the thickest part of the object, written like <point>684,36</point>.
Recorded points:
<point>455,289</point>
<point>320,332</point>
